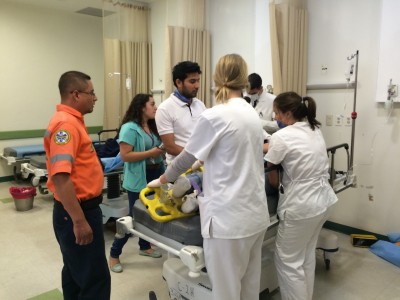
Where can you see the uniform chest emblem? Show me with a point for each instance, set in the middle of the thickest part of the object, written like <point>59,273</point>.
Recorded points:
<point>62,137</point>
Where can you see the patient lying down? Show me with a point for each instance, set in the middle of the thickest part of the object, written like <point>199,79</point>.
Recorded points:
<point>187,188</point>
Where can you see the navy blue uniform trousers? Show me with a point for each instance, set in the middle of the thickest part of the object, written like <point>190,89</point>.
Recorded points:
<point>85,274</point>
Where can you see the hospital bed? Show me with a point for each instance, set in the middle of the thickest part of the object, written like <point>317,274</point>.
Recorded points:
<point>20,154</point>
<point>115,203</point>
<point>35,170</point>
<point>340,181</point>
<point>184,270</point>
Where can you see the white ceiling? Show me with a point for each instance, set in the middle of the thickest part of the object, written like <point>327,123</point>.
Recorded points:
<point>70,5</point>
<point>66,5</point>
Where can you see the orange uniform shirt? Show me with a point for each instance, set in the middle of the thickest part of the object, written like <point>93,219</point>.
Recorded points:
<point>69,149</point>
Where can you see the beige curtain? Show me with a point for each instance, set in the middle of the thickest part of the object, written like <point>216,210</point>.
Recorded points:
<point>289,37</point>
<point>127,58</point>
<point>187,39</point>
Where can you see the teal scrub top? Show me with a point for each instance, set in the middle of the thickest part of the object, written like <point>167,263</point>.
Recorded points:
<point>135,172</point>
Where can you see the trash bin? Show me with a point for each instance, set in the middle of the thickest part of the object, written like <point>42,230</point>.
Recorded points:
<point>23,197</point>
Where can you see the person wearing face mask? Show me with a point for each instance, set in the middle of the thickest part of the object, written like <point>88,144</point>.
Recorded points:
<point>305,196</point>
<point>262,101</point>
<point>176,116</point>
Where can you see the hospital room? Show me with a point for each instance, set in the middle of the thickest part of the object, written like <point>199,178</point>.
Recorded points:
<point>343,55</point>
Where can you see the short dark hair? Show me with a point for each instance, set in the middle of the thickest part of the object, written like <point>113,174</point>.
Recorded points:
<point>182,69</point>
<point>72,80</point>
<point>255,81</point>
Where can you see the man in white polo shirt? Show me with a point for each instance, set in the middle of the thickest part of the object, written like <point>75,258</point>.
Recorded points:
<point>176,116</point>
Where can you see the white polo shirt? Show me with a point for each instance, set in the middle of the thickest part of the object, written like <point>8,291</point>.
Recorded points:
<point>302,153</point>
<point>228,138</point>
<point>175,116</point>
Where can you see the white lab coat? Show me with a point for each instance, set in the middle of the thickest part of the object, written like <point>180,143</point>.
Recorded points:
<point>302,154</point>
<point>303,206</point>
<point>228,138</point>
<point>264,109</point>
<point>233,211</point>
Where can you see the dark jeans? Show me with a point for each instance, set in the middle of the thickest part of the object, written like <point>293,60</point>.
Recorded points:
<point>118,244</point>
<point>85,274</point>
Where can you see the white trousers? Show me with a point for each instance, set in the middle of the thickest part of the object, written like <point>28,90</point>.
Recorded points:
<point>296,241</point>
<point>234,267</point>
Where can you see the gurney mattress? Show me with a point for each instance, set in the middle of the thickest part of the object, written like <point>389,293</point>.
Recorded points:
<point>38,161</point>
<point>186,231</point>
<point>24,151</point>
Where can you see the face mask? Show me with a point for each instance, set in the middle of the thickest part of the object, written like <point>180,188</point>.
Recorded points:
<point>254,97</point>
<point>280,124</point>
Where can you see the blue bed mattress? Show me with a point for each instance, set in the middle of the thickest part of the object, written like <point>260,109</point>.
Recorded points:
<point>24,151</point>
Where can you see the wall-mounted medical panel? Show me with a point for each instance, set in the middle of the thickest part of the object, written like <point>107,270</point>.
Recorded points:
<point>389,59</point>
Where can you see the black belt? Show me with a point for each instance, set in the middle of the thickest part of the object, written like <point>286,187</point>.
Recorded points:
<point>86,204</point>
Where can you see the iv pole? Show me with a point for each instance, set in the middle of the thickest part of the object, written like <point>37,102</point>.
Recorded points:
<point>354,113</point>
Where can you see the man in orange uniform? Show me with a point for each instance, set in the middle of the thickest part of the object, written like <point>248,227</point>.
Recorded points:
<point>76,179</point>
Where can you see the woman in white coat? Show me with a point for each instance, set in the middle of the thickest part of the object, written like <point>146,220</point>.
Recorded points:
<point>233,211</point>
<point>305,194</point>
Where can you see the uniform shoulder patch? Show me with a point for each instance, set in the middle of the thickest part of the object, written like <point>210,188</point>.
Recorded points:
<point>62,137</point>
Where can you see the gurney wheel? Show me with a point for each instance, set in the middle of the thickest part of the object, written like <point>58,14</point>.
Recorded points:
<point>34,181</point>
<point>43,190</point>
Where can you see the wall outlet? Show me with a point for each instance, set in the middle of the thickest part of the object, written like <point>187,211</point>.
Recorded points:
<point>393,91</point>
<point>324,69</point>
<point>347,121</point>
<point>329,120</point>
<point>338,120</point>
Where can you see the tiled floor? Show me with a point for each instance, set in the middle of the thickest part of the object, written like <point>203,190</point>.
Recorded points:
<point>30,263</point>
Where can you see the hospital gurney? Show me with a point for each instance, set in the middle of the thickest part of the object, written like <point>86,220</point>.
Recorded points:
<point>339,180</point>
<point>184,270</point>
<point>115,204</point>
<point>36,171</point>
<point>20,154</point>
